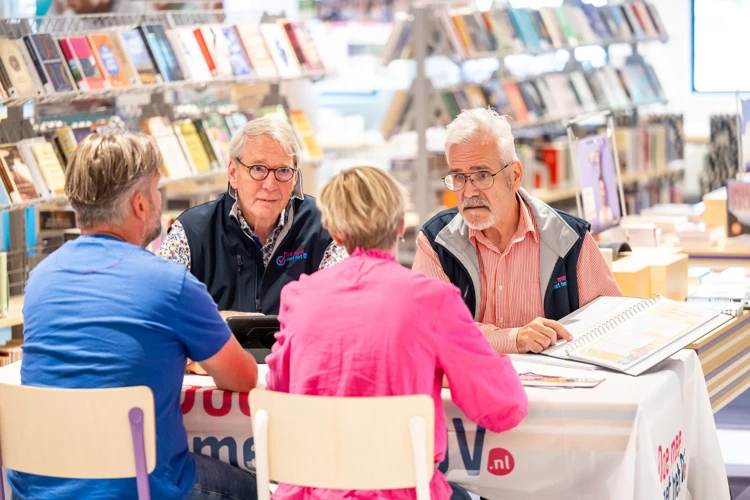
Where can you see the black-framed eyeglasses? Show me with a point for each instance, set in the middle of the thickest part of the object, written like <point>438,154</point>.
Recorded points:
<point>260,172</point>
<point>481,179</point>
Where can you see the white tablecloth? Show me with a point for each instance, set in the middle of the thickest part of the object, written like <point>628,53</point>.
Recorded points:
<point>644,438</point>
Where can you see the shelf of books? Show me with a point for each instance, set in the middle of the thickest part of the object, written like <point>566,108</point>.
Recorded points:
<point>539,106</point>
<point>189,80</point>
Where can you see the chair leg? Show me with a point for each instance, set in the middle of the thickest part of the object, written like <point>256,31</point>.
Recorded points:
<point>418,434</point>
<point>135,415</point>
<point>260,433</point>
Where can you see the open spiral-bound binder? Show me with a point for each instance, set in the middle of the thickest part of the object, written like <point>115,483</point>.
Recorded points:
<point>632,335</point>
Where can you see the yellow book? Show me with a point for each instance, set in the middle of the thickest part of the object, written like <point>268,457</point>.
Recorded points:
<point>188,134</point>
<point>67,141</point>
<point>49,164</point>
<point>305,135</point>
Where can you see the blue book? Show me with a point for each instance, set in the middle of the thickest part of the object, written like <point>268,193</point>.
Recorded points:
<point>596,22</point>
<point>240,66</point>
<point>525,27</point>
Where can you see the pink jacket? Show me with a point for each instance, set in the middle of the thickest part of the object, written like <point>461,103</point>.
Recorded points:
<point>370,327</point>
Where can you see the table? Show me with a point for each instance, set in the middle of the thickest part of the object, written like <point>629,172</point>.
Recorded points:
<point>647,437</point>
<point>630,438</point>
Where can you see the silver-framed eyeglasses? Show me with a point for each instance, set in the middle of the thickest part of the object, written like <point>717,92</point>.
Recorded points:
<point>260,172</point>
<point>481,179</point>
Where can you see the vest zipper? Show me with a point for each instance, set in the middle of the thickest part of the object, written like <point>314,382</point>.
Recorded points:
<point>239,282</point>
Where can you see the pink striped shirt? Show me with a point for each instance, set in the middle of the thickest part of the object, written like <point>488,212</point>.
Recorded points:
<point>511,296</point>
<point>370,327</point>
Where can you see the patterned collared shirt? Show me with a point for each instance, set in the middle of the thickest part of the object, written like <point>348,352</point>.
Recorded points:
<point>175,246</point>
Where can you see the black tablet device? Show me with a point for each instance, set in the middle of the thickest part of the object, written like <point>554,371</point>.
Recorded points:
<point>255,334</point>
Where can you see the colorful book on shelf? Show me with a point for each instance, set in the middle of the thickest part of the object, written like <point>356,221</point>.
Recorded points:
<point>189,54</point>
<point>281,50</point>
<point>161,52</point>
<point>620,22</point>
<point>644,18</point>
<point>208,147</point>
<point>257,51</point>
<point>194,148</point>
<point>219,136</point>
<point>217,46</point>
<point>82,64</point>
<point>567,29</point>
<point>237,57</point>
<point>106,58</point>
<point>738,208</point>
<point>176,165</point>
<point>525,27</point>
<point>139,56</point>
<point>66,142</point>
<point>207,56</point>
<point>633,335</point>
<point>21,83</point>
<point>53,67</point>
<point>509,40</point>
<point>656,19</point>
<point>277,110</point>
<point>28,158</point>
<point>305,136</point>
<point>49,165</point>
<point>632,20</point>
<point>520,111</point>
<point>304,46</point>
<point>19,175</point>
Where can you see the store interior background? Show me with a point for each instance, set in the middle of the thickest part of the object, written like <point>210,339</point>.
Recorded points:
<point>346,108</point>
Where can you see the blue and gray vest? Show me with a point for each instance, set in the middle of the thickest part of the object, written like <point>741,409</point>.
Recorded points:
<point>560,240</point>
<point>231,266</point>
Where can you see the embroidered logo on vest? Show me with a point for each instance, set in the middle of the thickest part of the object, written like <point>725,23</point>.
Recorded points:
<point>561,282</point>
<point>291,256</point>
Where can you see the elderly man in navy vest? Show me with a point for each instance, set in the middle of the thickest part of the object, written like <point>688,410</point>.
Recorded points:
<point>262,233</point>
<point>520,264</point>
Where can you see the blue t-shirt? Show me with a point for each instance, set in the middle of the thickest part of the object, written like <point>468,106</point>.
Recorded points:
<point>99,313</point>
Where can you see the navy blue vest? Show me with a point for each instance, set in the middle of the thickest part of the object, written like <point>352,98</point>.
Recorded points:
<point>231,265</point>
<point>561,297</point>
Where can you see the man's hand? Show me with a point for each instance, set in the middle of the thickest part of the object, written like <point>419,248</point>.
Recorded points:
<point>227,314</point>
<point>540,334</point>
<point>194,367</point>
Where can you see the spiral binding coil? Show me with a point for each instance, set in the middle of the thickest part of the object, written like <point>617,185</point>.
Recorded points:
<point>609,325</point>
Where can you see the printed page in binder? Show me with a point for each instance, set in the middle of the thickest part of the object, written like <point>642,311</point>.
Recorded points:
<point>592,315</point>
<point>642,335</point>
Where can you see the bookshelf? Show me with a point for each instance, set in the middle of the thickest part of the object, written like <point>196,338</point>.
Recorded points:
<point>428,31</point>
<point>196,99</point>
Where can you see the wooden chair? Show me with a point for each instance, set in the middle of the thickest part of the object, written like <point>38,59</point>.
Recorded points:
<point>78,433</point>
<point>343,443</point>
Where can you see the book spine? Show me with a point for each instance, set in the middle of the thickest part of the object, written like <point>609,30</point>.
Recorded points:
<point>5,80</point>
<point>35,60</point>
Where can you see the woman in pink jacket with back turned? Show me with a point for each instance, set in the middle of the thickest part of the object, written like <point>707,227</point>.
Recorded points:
<point>370,327</point>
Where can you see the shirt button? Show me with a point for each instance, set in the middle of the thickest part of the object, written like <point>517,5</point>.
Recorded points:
<point>500,288</point>
<point>501,320</point>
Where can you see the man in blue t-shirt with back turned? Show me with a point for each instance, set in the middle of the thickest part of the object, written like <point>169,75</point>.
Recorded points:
<point>103,312</point>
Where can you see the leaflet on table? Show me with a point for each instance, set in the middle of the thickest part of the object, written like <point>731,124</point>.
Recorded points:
<point>598,180</point>
<point>585,319</point>
<point>531,379</point>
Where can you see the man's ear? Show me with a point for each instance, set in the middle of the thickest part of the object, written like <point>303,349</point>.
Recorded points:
<point>232,174</point>
<point>139,206</point>
<point>517,175</point>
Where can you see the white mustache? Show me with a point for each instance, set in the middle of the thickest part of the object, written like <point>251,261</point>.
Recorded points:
<point>475,202</point>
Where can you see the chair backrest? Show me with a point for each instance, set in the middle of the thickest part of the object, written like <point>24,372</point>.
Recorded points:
<point>347,443</point>
<point>75,433</point>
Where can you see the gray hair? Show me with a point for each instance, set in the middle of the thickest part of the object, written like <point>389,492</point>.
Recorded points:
<point>271,126</point>
<point>483,124</point>
<point>105,171</point>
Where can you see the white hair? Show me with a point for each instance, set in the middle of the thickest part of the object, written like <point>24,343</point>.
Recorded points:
<point>270,126</point>
<point>483,124</point>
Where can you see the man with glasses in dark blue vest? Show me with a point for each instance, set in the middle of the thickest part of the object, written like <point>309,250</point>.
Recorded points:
<point>259,235</point>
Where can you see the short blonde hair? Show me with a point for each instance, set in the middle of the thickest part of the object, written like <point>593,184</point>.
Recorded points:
<point>104,172</point>
<point>364,207</point>
<point>270,126</point>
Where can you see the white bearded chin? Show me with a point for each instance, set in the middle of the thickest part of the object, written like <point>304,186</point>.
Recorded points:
<point>481,224</point>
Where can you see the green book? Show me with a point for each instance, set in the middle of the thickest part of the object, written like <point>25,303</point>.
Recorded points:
<point>567,29</point>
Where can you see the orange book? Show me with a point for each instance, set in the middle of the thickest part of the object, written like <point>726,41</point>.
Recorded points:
<point>206,53</point>
<point>460,24</point>
<point>110,66</point>
<point>516,101</point>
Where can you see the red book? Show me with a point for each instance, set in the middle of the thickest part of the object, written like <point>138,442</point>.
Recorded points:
<point>82,63</point>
